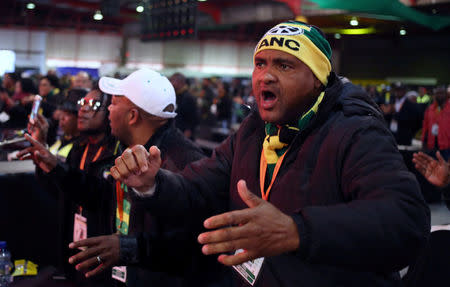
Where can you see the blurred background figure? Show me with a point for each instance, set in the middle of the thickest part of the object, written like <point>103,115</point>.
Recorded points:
<point>423,97</point>
<point>187,112</point>
<point>68,122</point>
<point>404,116</point>
<point>82,80</point>
<point>223,104</point>
<point>9,82</point>
<point>17,106</point>
<point>436,124</point>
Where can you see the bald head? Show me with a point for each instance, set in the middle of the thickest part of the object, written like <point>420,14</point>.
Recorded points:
<point>82,81</point>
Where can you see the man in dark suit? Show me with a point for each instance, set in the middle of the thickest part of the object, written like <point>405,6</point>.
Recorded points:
<point>406,116</point>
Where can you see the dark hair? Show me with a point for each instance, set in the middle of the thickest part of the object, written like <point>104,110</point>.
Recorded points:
<point>105,99</point>
<point>28,86</point>
<point>70,102</point>
<point>14,76</point>
<point>53,80</point>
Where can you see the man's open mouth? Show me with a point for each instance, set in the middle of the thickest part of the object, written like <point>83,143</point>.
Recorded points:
<point>268,99</point>
<point>268,96</point>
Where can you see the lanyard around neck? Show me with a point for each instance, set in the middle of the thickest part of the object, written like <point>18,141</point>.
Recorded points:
<point>120,194</point>
<point>263,171</point>
<point>83,158</point>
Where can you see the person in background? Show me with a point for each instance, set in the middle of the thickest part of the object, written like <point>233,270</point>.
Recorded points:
<point>436,124</point>
<point>67,122</point>
<point>205,100</point>
<point>25,87</point>
<point>16,106</point>
<point>405,116</point>
<point>92,154</point>
<point>423,97</point>
<point>310,191</point>
<point>51,99</point>
<point>9,82</point>
<point>82,81</point>
<point>49,91</point>
<point>187,112</point>
<point>3,94</point>
<point>412,96</point>
<point>436,140</point>
<point>141,112</point>
<point>224,104</point>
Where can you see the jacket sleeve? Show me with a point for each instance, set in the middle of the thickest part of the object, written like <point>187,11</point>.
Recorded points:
<point>199,191</point>
<point>385,220</point>
<point>85,189</point>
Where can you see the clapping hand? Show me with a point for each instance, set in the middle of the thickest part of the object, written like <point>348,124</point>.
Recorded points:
<point>137,167</point>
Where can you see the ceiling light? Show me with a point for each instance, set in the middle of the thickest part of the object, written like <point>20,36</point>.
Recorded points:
<point>402,32</point>
<point>353,31</point>
<point>140,8</point>
<point>98,15</point>
<point>354,22</point>
<point>31,6</point>
<point>201,0</point>
<point>337,36</point>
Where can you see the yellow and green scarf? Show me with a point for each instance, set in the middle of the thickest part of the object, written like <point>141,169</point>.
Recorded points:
<point>278,138</point>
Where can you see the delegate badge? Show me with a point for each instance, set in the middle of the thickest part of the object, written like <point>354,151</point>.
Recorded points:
<point>120,273</point>
<point>435,129</point>
<point>79,228</point>
<point>249,270</point>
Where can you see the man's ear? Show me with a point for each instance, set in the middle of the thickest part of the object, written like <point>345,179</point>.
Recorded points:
<point>133,116</point>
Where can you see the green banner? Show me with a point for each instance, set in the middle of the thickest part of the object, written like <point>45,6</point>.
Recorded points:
<point>387,7</point>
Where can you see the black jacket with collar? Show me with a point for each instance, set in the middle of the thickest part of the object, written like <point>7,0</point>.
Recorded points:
<point>62,182</point>
<point>359,211</point>
<point>96,192</point>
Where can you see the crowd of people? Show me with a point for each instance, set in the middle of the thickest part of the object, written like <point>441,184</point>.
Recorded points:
<point>309,190</point>
<point>416,112</point>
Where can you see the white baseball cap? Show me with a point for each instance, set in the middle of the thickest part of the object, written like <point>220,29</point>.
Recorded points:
<point>146,88</point>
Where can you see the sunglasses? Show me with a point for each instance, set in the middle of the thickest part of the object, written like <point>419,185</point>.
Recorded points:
<point>93,105</point>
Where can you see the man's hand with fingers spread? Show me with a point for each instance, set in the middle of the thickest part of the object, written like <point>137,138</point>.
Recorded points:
<point>102,252</point>
<point>261,230</point>
<point>437,172</point>
<point>137,168</point>
<point>41,156</point>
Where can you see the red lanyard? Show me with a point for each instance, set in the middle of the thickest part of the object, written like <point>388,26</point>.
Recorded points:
<point>119,194</point>
<point>262,174</point>
<point>83,159</point>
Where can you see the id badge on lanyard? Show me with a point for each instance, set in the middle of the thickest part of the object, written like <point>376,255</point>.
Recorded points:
<point>120,273</point>
<point>249,270</point>
<point>79,228</point>
<point>435,129</point>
